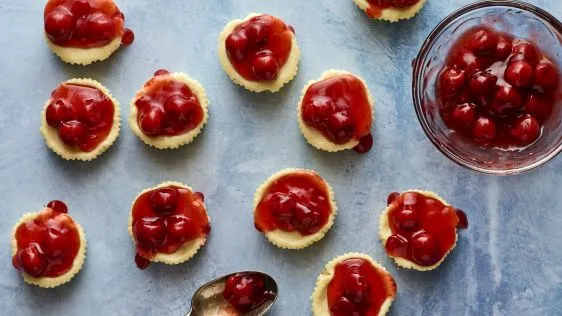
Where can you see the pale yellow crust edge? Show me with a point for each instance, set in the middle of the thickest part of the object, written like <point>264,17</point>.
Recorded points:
<point>189,248</point>
<point>176,141</point>
<point>287,72</point>
<point>315,137</point>
<point>46,282</point>
<point>385,232</point>
<point>84,56</point>
<point>319,297</point>
<point>294,240</point>
<point>69,153</point>
<point>393,14</point>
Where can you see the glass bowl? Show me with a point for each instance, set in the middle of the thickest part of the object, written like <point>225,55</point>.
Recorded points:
<point>522,20</point>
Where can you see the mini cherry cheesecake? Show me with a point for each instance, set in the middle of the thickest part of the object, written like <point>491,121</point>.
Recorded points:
<point>246,291</point>
<point>80,120</point>
<point>497,90</point>
<point>418,229</point>
<point>168,224</point>
<point>353,285</point>
<point>294,208</point>
<point>169,111</point>
<point>390,10</point>
<point>85,31</point>
<point>48,247</point>
<point>259,52</point>
<point>335,112</point>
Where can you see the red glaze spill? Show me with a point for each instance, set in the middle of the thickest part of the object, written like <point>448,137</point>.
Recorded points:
<point>376,7</point>
<point>246,291</point>
<point>339,108</point>
<point>359,288</point>
<point>259,47</point>
<point>82,115</point>
<point>48,244</point>
<point>423,228</point>
<point>165,219</point>
<point>85,23</point>
<point>497,90</point>
<point>295,202</point>
<point>167,106</point>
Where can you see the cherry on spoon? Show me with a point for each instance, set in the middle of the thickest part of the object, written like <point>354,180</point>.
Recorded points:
<point>209,299</point>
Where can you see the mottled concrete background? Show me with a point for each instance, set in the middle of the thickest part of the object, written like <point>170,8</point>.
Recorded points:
<point>509,262</point>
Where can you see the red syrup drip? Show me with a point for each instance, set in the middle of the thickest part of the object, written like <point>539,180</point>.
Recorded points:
<point>423,228</point>
<point>167,106</point>
<point>259,47</point>
<point>339,108</point>
<point>497,90</point>
<point>82,115</point>
<point>246,291</point>
<point>165,219</point>
<point>48,244</point>
<point>295,202</point>
<point>358,288</point>
<point>128,37</point>
<point>84,23</point>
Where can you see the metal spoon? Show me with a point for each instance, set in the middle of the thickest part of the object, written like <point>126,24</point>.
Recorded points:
<point>209,301</point>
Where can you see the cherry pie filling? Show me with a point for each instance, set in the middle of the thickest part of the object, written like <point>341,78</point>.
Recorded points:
<point>259,47</point>
<point>294,202</point>
<point>246,291</point>
<point>167,107</point>
<point>358,288</point>
<point>377,6</point>
<point>339,108</point>
<point>497,90</point>
<point>82,115</point>
<point>423,228</point>
<point>165,219</point>
<point>48,244</point>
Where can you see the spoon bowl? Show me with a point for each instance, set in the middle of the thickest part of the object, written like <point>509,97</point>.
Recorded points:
<point>208,300</point>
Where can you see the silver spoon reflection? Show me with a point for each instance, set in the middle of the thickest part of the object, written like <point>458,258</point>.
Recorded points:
<point>208,300</point>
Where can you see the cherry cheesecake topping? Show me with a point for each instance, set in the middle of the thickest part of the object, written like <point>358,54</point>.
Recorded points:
<point>377,6</point>
<point>48,244</point>
<point>164,219</point>
<point>246,291</point>
<point>85,23</point>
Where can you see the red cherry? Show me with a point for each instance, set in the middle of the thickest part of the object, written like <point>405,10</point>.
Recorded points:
<point>55,242</point>
<point>483,84</point>
<point>463,115</point>
<point>31,260</point>
<point>150,232</point>
<point>484,129</point>
<point>241,294</point>
<point>100,26</point>
<point>546,75</point>
<point>181,228</point>
<point>199,196</point>
<point>282,206</point>
<point>463,219</point>
<point>141,262</point>
<point>483,41</point>
<point>265,66</point>
<point>406,219</point>
<point>525,51</point>
<point>410,198</point>
<point>180,109</point>
<point>73,133</point>
<point>424,249</point>
<point>343,307</point>
<point>151,120</point>
<point>340,127</point>
<point>365,144</point>
<point>403,3</point>
<point>58,206</point>
<point>539,106</point>
<point>526,129</point>
<point>59,23</point>
<point>451,81</point>
<point>356,287</point>
<point>318,109</point>
<point>92,113</point>
<point>396,246</point>
<point>236,45</point>
<point>164,200</point>
<point>507,98</point>
<point>128,37</point>
<point>503,49</point>
<point>80,8</point>
<point>466,60</point>
<point>161,72</point>
<point>258,33</point>
<point>305,219</point>
<point>519,74</point>
<point>392,197</point>
<point>59,111</point>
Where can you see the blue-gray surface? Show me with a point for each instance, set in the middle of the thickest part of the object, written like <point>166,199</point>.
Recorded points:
<point>509,262</point>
